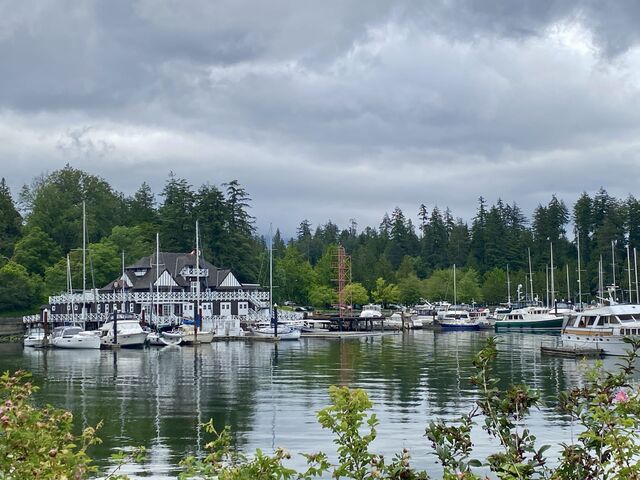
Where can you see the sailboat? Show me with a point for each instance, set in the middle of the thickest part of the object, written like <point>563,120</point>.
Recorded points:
<point>456,318</point>
<point>187,333</point>
<point>74,336</point>
<point>155,337</point>
<point>268,328</point>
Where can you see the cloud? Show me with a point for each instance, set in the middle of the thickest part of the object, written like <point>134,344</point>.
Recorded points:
<point>334,110</point>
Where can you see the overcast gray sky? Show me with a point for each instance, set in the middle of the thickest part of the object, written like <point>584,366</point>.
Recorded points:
<point>327,110</point>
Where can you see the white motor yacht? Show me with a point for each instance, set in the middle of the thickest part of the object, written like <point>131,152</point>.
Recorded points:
<point>186,334</point>
<point>129,334</point>
<point>74,337</point>
<point>35,337</point>
<point>371,311</point>
<point>603,328</point>
<point>265,329</point>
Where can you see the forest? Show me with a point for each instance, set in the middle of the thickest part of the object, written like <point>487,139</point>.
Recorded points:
<point>399,261</point>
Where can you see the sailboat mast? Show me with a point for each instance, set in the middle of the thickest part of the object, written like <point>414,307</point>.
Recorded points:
<point>157,273</point>
<point>568,285</point>
<point>196,315</point>
<point>84,263</point>
<point>579,270</point>
<point>635,263</point>
<point>455,292</point>
<point>270,270</point>
<point>600,279</point>
<point>613,263</point>
<point>70,289</point>
<point>547,281</point>
<point>123,281</point>
<point>508,287</point>
<point>553,286</point>
<point>629,271</point>
<point>530,274</point>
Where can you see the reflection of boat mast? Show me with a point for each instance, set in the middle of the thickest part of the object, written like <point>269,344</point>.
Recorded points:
<point>196,378</point>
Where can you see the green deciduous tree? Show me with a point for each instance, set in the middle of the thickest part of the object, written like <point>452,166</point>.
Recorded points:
<point>411,290</point>
<point>36,251</point>
<point>293,277</point>
<point>18,289</point>
<point>385,293</point>
<point>494,286</point>
<point>54,205</point>
<point>322,296</point>
<point>356,294</point>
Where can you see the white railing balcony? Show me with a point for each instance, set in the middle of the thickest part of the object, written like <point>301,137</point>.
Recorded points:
<point>194,272</point>
<point>258,298</point>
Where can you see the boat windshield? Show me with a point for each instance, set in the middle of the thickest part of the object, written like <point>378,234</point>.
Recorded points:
<point>71,331</point>
<point>628,318</point>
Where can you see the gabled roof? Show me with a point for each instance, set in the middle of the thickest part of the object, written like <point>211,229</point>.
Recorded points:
<point>142,273</point>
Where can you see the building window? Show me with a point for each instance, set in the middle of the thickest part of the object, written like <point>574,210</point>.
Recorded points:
<point>106,308</point>
<point>194,287</point>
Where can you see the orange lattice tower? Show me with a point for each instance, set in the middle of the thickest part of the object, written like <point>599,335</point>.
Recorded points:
<point>343,278</point>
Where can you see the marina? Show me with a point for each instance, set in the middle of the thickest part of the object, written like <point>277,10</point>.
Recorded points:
<point>265,390</point>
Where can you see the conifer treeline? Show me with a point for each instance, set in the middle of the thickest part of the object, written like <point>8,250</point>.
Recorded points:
<point>395,262</point>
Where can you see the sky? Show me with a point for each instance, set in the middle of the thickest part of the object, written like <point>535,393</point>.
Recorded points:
<point>332,110</point>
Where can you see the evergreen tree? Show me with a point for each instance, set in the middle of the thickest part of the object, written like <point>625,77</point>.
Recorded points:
<point>142,206</point>
<point>435,242</point>
<point>478,255</point>
<point>10,221</point>
<point>177,222</point>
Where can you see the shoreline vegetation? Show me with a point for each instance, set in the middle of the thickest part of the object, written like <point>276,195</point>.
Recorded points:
<point>399,261</point>
<point>38,442</point>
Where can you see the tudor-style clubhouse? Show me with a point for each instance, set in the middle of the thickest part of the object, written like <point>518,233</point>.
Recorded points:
<point>161,289</point>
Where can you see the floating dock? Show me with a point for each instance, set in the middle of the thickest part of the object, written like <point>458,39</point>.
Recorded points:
<point>571,351</point>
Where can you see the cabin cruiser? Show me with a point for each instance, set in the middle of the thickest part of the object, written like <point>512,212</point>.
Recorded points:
<point>423,315</point>
<point>129,333</point>
<point>483,317</point>
<point>316,326</point>
<point>74,337</point>
<point>457,318</point>
<point>187,334</point>
<point>35,337</point>
<point>531,317</point>
<point>371,311</point>
<point>285,332</point>
<point>603,328</point>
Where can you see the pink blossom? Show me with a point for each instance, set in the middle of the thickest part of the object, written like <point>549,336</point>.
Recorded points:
<point>621,397</point>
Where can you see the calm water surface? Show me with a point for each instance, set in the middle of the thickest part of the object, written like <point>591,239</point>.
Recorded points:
<point>269,393</point>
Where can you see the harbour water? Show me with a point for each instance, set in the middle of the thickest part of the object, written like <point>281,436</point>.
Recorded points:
<point>269,393</point>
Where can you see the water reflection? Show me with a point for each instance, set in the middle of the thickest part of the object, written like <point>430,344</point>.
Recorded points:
<point>269,393</point>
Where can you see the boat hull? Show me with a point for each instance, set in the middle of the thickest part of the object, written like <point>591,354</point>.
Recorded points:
<point>88,341</point>
<point>457,326</point>
<point>546,324</point>
<point>610,345</point>
<point>286,335</point>
<point>125,340</point>
<point>34,342</point>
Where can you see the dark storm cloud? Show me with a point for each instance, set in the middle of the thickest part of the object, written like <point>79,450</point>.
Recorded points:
<point>350,108</point>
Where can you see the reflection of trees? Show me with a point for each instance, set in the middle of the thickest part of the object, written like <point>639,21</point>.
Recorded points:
<point>151,397</point>
<point>128,388</point>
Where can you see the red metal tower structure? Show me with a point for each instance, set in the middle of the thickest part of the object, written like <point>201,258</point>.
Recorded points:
<point>342,266</point>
